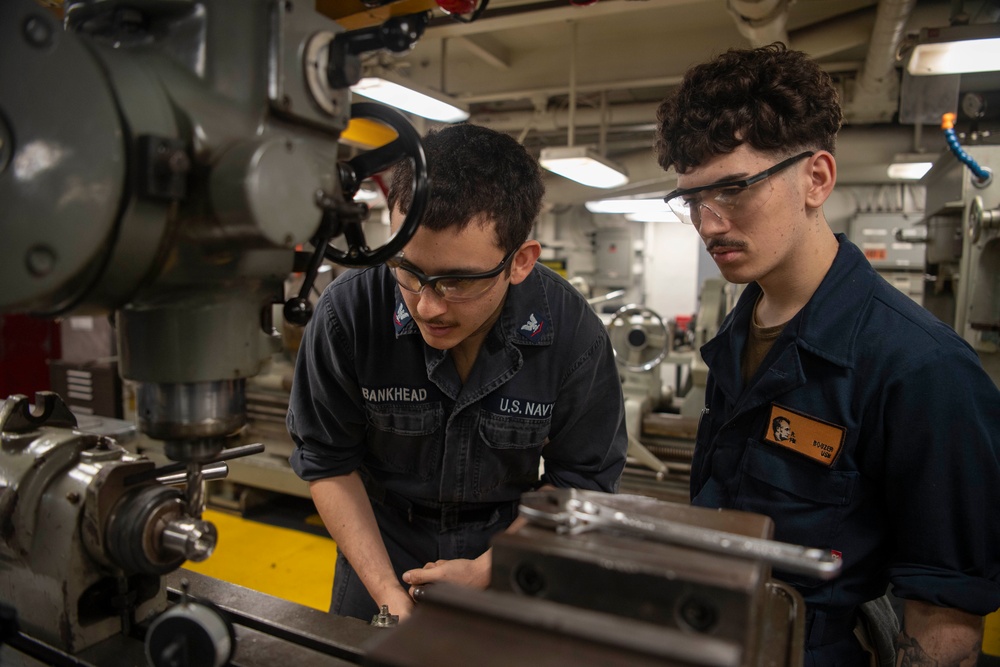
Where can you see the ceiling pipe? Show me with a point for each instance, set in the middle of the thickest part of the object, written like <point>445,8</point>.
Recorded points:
<point>558,119</point>
<point>761,21</point>
<point>876,91</point>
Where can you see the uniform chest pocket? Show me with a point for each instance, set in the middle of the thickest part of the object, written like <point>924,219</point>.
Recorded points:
<point>405,438</point>
<point>806,500</point>
<point>511,455</point>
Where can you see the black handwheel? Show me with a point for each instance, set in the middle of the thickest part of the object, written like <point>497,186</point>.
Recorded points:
<point>352,172</point>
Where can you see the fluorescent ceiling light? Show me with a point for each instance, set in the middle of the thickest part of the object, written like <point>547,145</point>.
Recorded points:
<point>627,206</point>
<point>653,216</point>
<point>956,50</point>
<point>413,98</point>
<point>583,165</point>
<point>366,195</point>
<point>910,171</point>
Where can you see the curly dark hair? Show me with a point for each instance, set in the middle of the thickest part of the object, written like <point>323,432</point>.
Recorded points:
<point>475,171</point>
<point>776,100</point>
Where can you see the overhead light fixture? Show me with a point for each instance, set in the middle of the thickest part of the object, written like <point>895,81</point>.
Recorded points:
<point>956,50</point>
<point>909,171</point>
<point>583,165</point>
<point>909,167</point>
<point>411,97</point>
<point>624,205</point>
<point>653,216</point>
<point>367,193</point>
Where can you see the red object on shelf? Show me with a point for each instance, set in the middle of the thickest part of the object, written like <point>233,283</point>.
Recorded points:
<point>26,345</point>
<point>458,6</point>
<point>682,322</point>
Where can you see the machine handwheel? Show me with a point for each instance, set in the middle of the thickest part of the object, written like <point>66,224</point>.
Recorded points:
<point>405,146</point>
<point>625,314</point>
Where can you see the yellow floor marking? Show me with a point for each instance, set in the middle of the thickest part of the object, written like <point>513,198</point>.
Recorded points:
<point>991,634</point>
<point>285,563</point>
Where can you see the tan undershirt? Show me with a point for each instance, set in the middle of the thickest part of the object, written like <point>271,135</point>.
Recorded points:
<point>759,343</point>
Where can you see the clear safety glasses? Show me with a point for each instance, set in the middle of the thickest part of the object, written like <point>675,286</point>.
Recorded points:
<point>728,200</point>
<point>453,287</point>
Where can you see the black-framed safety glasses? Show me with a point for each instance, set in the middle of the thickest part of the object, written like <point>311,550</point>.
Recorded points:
<point>725,199</point>
<point>454,287</point>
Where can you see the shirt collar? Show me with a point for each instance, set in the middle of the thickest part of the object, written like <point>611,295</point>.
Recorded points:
<point>829,324</point>
<point>402,321</point>
<point>831,321</point>
<point>527,318</point>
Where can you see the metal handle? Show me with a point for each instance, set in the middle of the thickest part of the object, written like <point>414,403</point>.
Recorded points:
<point>579,515</point>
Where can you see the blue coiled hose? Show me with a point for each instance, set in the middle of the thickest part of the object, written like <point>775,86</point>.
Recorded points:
<point>948,125</point>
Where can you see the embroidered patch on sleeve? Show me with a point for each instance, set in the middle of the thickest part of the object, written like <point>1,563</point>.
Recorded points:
<point>819,440</point>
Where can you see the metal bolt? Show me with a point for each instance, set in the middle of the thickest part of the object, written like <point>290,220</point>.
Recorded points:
<point>37,31</point>
<point>178,162</point>
<point>41,260</point>
<point>698,614</point>
<point>528,579</point>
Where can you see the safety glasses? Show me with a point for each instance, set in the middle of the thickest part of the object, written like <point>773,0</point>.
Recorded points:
<point>455,287</point>
<point>728,200</point>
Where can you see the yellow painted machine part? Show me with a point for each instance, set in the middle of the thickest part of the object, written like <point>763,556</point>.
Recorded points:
<point>352,14</point>
<point>288,564</point>
<point>367,134</point>
<point>991,634</point>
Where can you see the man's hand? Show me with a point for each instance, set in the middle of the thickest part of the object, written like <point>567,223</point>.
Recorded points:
<point>461,571</point>
<point>938,636</point>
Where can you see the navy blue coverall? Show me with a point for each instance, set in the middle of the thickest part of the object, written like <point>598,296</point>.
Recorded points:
<point>444,463</point>
<point>870,429</point>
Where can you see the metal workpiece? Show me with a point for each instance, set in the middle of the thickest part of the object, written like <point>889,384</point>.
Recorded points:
<point>573,511</point>
<point>195,539</point>
<point>493,629</point>
<point>383,619</point>
<point>608,596</point>
<point>695,589</point>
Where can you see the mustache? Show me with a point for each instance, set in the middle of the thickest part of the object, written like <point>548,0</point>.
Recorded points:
<point>436,323</point>
<point>714,244</point>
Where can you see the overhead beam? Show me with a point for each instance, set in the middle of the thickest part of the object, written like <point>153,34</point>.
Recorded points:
<point>487,48</point>
<point>542,13</point>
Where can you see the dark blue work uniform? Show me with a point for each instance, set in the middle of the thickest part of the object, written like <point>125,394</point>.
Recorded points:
<point>445,463</point>
<point>870,429</point>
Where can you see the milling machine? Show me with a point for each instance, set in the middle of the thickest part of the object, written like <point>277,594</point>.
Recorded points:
<point>162,160</point>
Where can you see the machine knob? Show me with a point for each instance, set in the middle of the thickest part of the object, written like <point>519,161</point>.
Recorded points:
<point>298,311</point>
<point>189,634</point>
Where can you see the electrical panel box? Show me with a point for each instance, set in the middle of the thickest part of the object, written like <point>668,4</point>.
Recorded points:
<point>890,241</point>
<point>614,256</point>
